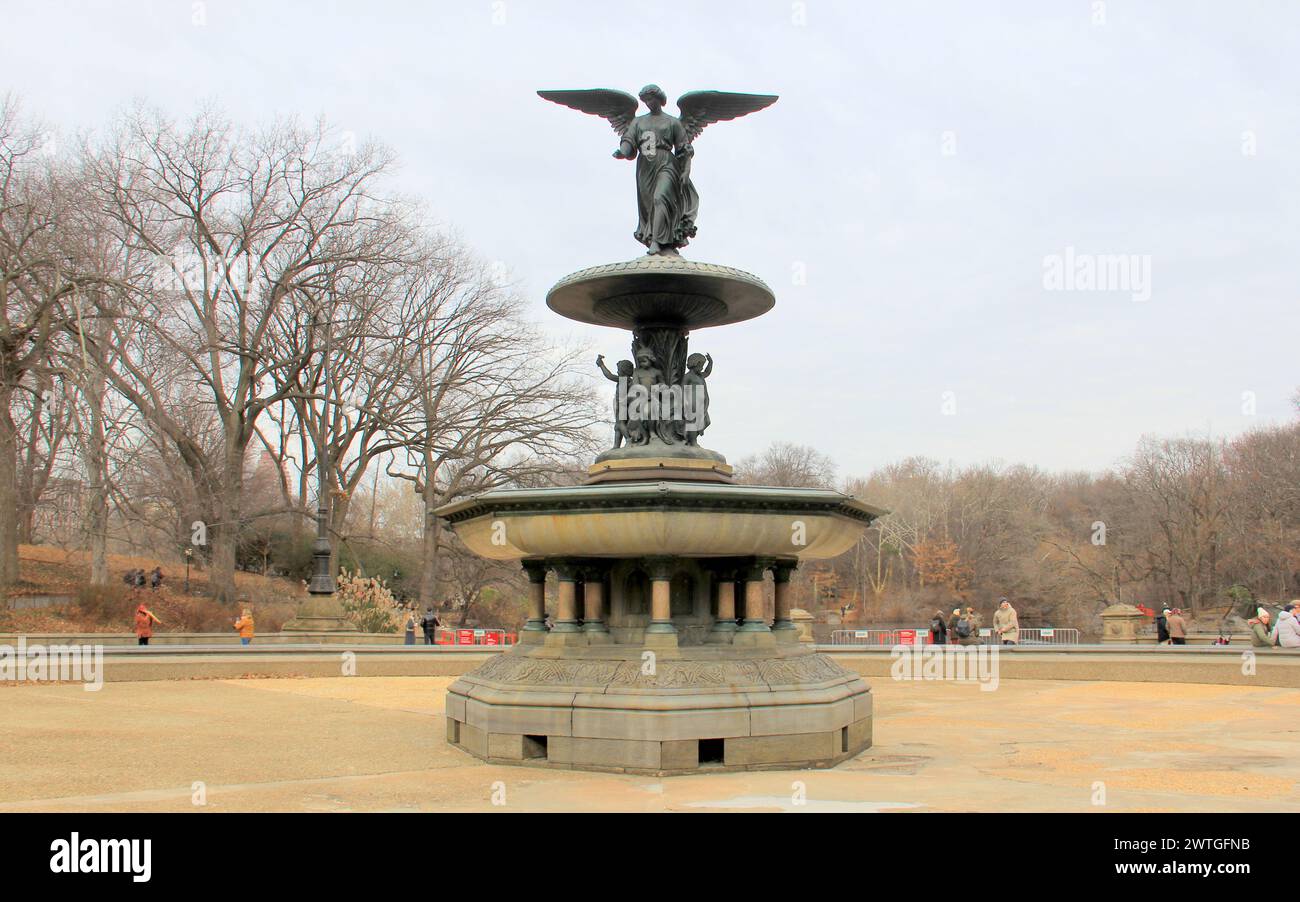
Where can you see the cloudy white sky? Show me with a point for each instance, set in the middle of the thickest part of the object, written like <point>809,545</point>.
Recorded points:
<point>924,160</point>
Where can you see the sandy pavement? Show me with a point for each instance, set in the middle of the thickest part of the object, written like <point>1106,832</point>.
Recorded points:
<point>377,744</point>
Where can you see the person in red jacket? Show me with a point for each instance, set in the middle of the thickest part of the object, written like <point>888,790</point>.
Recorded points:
<point>144,621</point>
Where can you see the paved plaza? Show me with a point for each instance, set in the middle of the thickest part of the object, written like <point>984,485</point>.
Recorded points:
<point>377,744</point>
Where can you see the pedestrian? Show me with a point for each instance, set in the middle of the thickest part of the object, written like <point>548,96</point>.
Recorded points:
<point>976,624</point>
<point>966,634</point>
<point>1288,627</point>
<point>156,579</point>
<point>144,621</point>
<point>938,629</point>
<point>245,627</point>
<point>430,624</point>
<point>410,628</point>
<point>952,626</point>
<point>1261,636</point>
<point>1006,625</point>
<point>140,580</point>
<point>1177,627</point>
<point>1162,627</point>
<point>132,579</point>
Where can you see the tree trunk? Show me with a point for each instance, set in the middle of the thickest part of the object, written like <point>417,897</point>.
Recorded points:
<point>8,492</point>
<point>429,589</point>
<point>339,505</point>
<point>224,533</point>
<point>97,469</point>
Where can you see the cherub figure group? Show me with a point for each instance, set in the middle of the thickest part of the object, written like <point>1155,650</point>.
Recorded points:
<point>639,399</point>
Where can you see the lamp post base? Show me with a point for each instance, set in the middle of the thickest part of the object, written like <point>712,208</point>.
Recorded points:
<point>320,614</point>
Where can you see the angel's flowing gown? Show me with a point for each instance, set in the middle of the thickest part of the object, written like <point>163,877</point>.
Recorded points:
<point>665,198</point>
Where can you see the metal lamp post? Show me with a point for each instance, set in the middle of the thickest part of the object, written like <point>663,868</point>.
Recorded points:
<point>322,612</point>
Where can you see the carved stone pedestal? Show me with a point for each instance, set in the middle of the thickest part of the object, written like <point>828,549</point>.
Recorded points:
<point>631,710</point>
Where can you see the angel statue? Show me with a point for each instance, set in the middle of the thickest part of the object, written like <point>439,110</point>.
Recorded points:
<point>662,145</point>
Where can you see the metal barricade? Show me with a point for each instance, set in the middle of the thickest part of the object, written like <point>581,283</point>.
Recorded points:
<point>889,638</point>
<point>921,636</point>
<point>864,637</point>
<point>1048,636</point>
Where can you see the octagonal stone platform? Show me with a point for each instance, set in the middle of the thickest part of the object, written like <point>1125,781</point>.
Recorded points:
<point>627,709</point>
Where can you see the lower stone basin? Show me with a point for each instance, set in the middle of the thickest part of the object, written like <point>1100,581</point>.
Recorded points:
<point>620,520</point>
<point>670,712</point>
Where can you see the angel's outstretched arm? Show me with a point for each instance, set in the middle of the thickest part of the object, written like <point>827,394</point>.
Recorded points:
<point>707,371</point>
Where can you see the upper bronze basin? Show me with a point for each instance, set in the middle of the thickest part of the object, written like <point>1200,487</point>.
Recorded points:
<point>621,520</point>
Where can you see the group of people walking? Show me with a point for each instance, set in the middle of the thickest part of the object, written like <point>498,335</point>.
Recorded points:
<point>963,627</point>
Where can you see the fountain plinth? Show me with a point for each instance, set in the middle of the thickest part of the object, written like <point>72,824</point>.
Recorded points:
<point>662,656</point>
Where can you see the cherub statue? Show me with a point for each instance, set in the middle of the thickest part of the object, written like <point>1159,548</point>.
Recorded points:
<point>643,407</point>
<point>623,379</point>
<point>663,147</point>
<point>695,396</point>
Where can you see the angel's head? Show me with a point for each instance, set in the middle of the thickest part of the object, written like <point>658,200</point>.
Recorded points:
<point>654,97</point>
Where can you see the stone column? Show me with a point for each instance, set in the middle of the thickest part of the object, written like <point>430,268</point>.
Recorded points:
<point>781,622</point>
<point>661,630</point>
<point>754,631</point>
<point>535,629</point>
<point>593,594</point>
<point>755,622</point>
<point>725,625</point>
<point>566,615</point>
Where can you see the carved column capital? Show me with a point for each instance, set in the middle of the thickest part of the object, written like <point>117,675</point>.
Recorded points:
<point>536,570</point>
<point>782,570</point>
<point>659,568</point>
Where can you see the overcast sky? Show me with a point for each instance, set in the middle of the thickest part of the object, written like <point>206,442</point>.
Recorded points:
<point>904,198</point>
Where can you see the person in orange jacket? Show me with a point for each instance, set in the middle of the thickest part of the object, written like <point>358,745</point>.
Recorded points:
<point>245,626</point>
<point>144,621</point>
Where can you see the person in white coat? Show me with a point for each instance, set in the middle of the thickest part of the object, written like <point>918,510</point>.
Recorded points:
<point>1288,627</point>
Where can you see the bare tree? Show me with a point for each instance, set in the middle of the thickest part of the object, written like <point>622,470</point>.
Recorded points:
<point>40,274</point>
<point>787,464</point>
<point>240,225</point>
<point>486,400</point>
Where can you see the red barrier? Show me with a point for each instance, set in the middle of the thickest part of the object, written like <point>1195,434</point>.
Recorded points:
<point>473,637</point>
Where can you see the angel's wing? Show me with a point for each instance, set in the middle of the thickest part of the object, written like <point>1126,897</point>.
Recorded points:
<point>701,108</point>
<point>618,107</point>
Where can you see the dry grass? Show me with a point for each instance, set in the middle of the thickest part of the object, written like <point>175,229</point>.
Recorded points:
<point>45,570</point>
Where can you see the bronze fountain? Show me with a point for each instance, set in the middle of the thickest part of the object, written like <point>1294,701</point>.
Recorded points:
<point>662,657</point>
